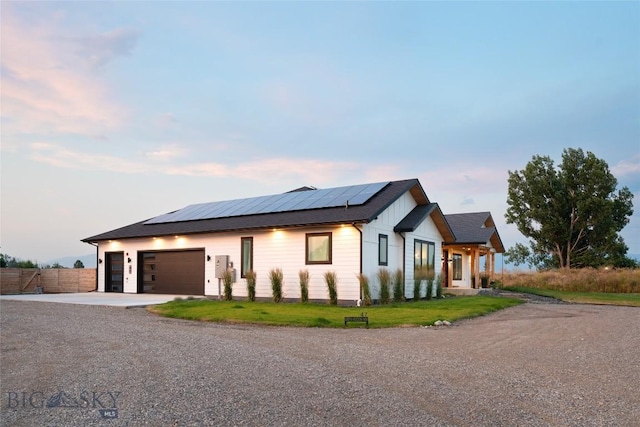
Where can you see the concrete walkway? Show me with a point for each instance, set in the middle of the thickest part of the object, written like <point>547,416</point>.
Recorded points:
<point>98,298</point>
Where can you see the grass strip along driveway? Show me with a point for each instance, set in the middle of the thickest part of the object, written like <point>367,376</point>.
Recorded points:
<point>632,300</point>
<point>419,313</point>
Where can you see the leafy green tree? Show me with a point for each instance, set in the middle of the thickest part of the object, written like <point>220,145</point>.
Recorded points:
<point>572,215</point>
<point>7,261</point>
<point>78,264</point>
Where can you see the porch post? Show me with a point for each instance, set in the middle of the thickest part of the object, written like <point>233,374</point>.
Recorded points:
<point>476,266</point>
<point>487,265</point>
<point>493,265</point>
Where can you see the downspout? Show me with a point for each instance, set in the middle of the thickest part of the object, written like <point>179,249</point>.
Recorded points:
<point>353,224</point>
<point>404,261</point>
<point>97,264</point>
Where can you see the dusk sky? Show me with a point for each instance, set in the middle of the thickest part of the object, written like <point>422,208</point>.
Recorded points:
<point>115,112</point>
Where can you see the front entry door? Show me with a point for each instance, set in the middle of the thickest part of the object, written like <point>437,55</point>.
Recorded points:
<point>114,272</point>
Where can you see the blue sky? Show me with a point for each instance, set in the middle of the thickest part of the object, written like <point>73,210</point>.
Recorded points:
<point>114,112</point>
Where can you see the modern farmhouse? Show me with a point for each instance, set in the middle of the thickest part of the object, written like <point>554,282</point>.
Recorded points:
<point>347,230</point>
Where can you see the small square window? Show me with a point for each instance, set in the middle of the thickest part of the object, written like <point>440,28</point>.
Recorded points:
<point>318,248</point>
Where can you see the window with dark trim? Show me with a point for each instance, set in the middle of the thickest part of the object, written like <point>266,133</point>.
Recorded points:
<point>424,256</point>
<point>457,267</point>
<point>318,248</point>
<point>246,255</point>
<point>383,249</point>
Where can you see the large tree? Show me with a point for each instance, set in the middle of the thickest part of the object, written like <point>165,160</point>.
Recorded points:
<point>572,215</point>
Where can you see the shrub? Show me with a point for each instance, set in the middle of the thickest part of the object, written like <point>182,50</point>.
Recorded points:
<point>227,280</point>
<point>398,286</point>
<point>384,278</point>
<point>365,291</point>
<point>439,280</point>
<point>332,285</point>
<point>304,285</point>
<point>250,276</point>
<point>276,279</point>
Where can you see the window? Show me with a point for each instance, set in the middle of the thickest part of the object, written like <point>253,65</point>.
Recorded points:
<point>318,248</point>
<point>383,249</point>
<point>246,255</point>
<point>424,256</point>
<point>457,267</point>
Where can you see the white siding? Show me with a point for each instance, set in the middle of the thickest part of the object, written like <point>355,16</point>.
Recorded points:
<point>427,231</point>
<point>398,247</point>
<point>284,249</point>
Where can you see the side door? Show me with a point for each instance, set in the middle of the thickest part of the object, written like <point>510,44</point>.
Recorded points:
<point>114,273</point>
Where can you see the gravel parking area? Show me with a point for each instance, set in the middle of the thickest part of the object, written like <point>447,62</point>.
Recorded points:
<point>532,365</point>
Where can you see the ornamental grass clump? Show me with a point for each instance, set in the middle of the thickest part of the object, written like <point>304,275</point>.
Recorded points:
<point>227,280</point>
<point>417,284</point>
<point>304,285</point>
<point>365,291</point>
<point>430,277</point>
<point>331,280</point>
<point>384,279</point>
<point>250,276</point>
<point>398,285</point>
<point>276,279</point>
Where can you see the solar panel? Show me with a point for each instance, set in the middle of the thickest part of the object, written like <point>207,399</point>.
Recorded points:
<point>299,200</point>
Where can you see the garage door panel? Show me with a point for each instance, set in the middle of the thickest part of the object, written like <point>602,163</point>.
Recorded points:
<point>174,272</point>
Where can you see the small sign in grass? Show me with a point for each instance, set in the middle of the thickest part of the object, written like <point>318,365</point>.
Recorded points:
<point>327,316</point>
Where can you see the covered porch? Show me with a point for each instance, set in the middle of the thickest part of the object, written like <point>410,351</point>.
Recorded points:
<point>468,266</point>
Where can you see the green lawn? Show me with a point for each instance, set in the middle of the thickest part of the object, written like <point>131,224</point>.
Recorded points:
<point>583,297</point>
<point>327,316</point>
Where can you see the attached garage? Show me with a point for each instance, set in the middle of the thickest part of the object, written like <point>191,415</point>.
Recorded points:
<point>171,272</point>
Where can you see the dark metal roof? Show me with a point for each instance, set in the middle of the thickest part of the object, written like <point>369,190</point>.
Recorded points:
<point>334,215</point>
<point>419,214</point>
<point>475,228</point>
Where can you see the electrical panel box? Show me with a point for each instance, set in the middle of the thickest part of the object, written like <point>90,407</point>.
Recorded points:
<point>222,264</point>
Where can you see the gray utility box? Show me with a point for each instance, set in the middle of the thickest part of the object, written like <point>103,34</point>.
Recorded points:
<point>222,264</point>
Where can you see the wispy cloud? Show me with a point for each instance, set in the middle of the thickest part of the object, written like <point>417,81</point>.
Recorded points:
<point>167,153</point>
<point>98,50</point>
<point>627,167</point>
<point>159,162</point>
<point>47,88</point>
<point>64,158</point>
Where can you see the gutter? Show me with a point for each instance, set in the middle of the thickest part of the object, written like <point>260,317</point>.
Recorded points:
<point>404,261</point>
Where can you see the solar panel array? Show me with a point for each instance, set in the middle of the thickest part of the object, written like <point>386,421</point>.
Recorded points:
<point>294,201</point>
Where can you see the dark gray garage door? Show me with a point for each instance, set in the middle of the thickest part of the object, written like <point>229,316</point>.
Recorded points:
<point>172,272</point>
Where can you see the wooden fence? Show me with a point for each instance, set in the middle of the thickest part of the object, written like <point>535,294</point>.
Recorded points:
<point>48,280</point>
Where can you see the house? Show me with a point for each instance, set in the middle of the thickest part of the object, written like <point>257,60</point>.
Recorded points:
<point>348,230</point>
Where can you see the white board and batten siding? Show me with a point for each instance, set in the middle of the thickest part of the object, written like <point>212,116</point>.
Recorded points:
<point>285,249</point>
<point>281,248</point>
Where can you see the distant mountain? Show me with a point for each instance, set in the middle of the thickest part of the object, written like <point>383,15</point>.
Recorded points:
<point>89,261</point>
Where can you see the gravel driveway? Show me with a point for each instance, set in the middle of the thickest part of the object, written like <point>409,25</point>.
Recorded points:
<point>532,365</point>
